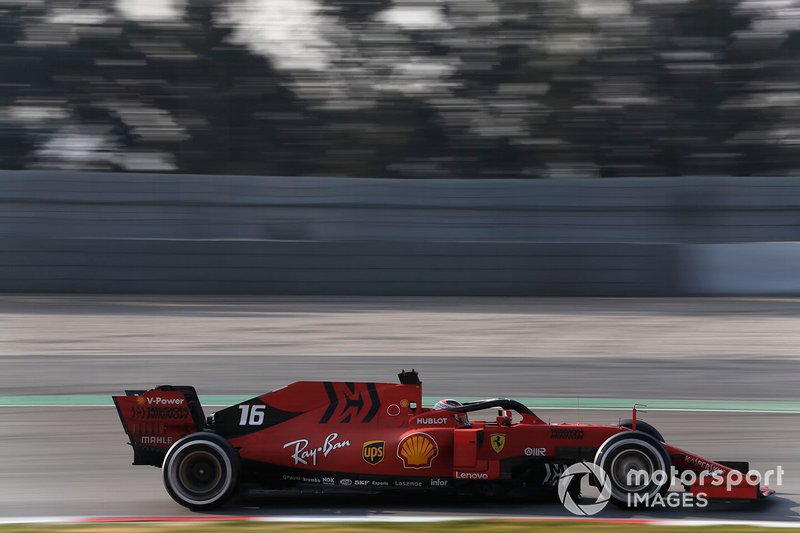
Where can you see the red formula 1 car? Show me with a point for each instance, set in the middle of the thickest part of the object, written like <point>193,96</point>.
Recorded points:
<point>378,437</point>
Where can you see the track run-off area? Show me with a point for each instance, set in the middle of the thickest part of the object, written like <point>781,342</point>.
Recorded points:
<point>719,377</point>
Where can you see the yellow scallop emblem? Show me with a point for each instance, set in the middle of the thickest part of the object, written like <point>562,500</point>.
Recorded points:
<point>417,450</point>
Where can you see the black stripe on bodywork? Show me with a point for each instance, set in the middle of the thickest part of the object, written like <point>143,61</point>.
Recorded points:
<point>226,422</point>
<point>375,400</point>
<point>575,453</point>
<point>334,402</point>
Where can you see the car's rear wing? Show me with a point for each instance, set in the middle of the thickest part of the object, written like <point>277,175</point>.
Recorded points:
<point>154,419</point>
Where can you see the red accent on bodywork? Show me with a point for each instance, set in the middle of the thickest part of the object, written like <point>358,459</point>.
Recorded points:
<point>156,419</point>
<point>348,414</point>
<point>331,423</point>
<point>717,481</point>
<point>683,460</point>
<point>465,447</point>
<point>721,492</point>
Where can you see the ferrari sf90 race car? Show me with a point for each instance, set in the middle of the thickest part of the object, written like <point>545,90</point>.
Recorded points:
<point>377,437</point>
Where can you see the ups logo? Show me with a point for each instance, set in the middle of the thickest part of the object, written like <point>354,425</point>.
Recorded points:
<point>373,451</point>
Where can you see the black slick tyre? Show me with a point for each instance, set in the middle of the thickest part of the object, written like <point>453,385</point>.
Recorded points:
<point>644,427</point>
<point>624,455</point>
<point>201,471</point>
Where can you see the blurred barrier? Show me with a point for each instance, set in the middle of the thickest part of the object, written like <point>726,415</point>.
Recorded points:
<point>164,206</point>
<point>754,268</point>
<point>357,268</point>
<point>102,232</point>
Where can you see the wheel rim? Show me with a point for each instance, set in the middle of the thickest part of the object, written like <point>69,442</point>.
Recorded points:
<point>624,467</point>
<point>200,473</point>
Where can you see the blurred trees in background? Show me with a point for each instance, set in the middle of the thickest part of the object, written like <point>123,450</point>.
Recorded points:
<point>402,88</point>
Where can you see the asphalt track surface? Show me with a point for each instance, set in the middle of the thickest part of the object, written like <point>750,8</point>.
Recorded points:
<point>72,460</point>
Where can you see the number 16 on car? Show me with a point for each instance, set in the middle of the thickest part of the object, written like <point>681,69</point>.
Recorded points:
<point>252,415</point>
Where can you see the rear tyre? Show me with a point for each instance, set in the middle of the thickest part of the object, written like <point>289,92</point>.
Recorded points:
<point>201,471</point>
<point>631,461</point>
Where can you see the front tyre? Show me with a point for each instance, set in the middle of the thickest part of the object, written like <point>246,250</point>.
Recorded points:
<point>201,471</point>
<point>637,468</point>
<point>644,427</point>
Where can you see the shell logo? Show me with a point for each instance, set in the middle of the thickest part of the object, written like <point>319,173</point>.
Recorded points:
<point>140,400</point>
<point>417,451</point>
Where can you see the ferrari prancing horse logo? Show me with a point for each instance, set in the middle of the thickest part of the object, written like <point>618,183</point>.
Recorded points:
<point>498,442</point>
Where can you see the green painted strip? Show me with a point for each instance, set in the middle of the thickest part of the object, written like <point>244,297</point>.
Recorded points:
<point>74,400</point>
<point>66,400</point>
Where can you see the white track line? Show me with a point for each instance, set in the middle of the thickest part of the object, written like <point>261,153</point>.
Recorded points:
<point>382,519</point>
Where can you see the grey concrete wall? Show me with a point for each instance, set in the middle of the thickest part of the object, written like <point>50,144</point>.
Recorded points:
<point>755,269</point>
<point>95,232</point>
<point>147,206</point>
<point>358,268</point>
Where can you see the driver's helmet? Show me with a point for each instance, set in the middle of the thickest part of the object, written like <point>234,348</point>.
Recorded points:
<point>445,405</point>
